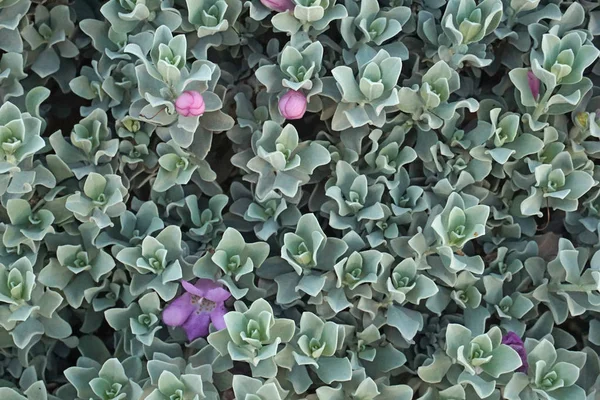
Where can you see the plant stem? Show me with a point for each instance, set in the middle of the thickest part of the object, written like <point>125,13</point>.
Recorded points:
<point>539,109</point>
<point>569,287</point>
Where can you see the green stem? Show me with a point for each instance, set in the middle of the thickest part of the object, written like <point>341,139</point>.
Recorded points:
<point>569,287</point>
<point>539,109</point>
<point>433,250</point>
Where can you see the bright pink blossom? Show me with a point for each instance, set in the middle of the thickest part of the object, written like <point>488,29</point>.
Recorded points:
<point>292,105</point>
<point>200,304</point>
<point>278,5</point>
<point>190,104</point>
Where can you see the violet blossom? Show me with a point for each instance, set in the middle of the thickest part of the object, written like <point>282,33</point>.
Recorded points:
<point>200,304</point>
<point>534,84</point>
<point>514,341</point>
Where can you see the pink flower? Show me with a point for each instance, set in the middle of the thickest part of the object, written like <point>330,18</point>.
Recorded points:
<point>292,105</point>
<point>279,5</point>
<point>195,309</point>
<point>534,84</point>
<point>514,341</point>
<point>190,104</point>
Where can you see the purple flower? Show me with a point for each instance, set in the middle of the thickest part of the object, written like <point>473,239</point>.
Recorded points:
<point>194,310</point>
<point>534,84</point>
<point>278,5</point>
<point>513,340</point>
<point>292,105</point>
<point>190,103</point>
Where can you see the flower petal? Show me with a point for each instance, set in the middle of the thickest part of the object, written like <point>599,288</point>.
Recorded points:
<point>179,310</point>
<point>218,295</point>
<point>208,289</point>
<point>197,325</point>
<point>216,316</point>
<point>198,289</point>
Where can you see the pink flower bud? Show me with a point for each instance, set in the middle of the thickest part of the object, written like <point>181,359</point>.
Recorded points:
<point>190,104</point>
<point>292,105</point>
<point>534,84</point>
<point>279,5</point>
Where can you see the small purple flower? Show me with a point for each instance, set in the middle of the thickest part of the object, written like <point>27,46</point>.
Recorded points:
<point>194,310</point>
<point>534,84</point>
<point>278,5</point>
<point>292,105</point>
<point>513,340</point>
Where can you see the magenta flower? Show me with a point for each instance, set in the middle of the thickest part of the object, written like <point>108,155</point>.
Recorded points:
<point>201,304</point>
<point>513,340</point>
<point>278,5</point>
<point>292,105</point>
<point>190,104</point>
<point>534,84</point>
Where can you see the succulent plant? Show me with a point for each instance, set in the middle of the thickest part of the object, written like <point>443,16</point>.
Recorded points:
<point>315,347</point>
<point>366,388</point>
<point>171,380</point>
<point>482,357</point>
<point>26,226</point>
<point>247,388</point>
<point>113,378</point>
<point>11,73</point>
<point>204,218</point>
<point>428,103</point>
<point>231,260</point>
<point>253,336</point>
<point>353,201</point>
<point>211,17</point>
<point>131,229</point>
<point>91,147</point>
<point>456,39</point>
<point>551,374</point>
<point>17,283</point>
<point>566,274</point>
<point>139,320</point>
<point>558,184</point>
<point>19,141</point>
<point>176,167</point>
<point>457,224</point>
<point>372,25</point>
<point>280,162</point>
<point>155,264</point>
<point>309,16</point>
<point>50,37</point>
<point>365,96</point>
<point>11,13</point>
<point>267,216</point>
<point>101,200</point>
<point>28,311</point>
<point>29,388</point>
<point>164,77</point>
<point>77,268</point>
<point>559,65</point>
<point>404,283</point>
<point>306,255</point>
<point>126,16</point>
<point>403,205</point>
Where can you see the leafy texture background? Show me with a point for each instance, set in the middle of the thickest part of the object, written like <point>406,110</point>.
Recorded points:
<point>299,200</point>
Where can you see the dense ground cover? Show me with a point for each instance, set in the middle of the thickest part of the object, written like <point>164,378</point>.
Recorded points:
<point>299,199</point>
